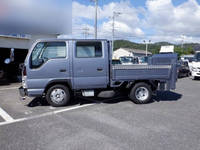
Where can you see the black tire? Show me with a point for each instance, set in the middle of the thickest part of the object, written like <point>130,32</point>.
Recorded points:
<point>63,90</point>
<point>136,88</point>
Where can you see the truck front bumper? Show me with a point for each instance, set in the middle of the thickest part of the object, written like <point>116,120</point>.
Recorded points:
<point>22,92</point>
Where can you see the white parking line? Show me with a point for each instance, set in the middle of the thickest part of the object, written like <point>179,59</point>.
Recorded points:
<point>5,116</point>
<point>10,88</point>
<point>44,114</point>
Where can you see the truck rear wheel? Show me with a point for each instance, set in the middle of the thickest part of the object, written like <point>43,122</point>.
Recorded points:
<point>141,93</point>
<point>58,95</point>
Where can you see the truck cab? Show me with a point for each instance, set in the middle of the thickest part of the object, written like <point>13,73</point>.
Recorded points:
<point>58,69</point>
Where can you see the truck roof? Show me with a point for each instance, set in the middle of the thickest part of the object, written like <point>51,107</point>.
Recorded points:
<point>51,39</point>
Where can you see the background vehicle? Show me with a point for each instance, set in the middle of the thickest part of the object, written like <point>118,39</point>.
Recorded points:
<point>116,62</point>
<point>129,60</point>
<point>189,59</point>
<point>196,65</point>
<point>59,69</point>
<point>183,69</point>
<point>143,60</point>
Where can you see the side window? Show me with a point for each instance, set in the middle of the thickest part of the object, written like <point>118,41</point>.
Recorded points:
<point>88,49</point>
<point>44,51</point>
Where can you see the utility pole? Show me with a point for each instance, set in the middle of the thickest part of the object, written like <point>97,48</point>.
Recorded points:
<point>115,14</point>
<point>147,46</point>
<point>182,41</point>
<point>96,17</point>
<point>85,32</point>
<point>95,24</point>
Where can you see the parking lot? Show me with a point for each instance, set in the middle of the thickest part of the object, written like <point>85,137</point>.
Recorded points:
<point>171,121</point>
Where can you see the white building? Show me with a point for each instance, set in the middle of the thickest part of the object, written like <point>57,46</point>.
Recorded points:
<point>127,52</point>
<point>16,48</point>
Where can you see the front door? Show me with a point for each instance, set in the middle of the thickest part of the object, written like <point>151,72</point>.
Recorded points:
<point>90,65</point>
<point>48,61</point>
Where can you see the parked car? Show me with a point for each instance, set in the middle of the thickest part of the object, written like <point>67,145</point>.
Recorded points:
<point>126,60</point>
<point>143,60</point>
<point>116,62</point>
<point>183,69</point>
<point>189,59</point>
<point>59,69</point>
<point>196,66</point>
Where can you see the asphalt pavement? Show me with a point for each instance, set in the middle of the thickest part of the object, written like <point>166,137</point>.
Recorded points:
<point>171,121</point>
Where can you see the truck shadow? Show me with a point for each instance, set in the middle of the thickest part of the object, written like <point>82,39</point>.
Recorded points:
<point>42,102</point>
<point>161,96</point>
<point>167,96</point>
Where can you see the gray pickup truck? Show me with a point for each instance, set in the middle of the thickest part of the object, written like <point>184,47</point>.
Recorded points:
<point>59,69</point>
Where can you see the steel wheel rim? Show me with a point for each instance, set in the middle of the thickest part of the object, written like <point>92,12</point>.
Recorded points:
<point>142,93</point>
<point>57,95</point>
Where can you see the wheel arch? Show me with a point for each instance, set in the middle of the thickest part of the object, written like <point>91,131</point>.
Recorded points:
<point>152,83</point>
<point>66,83</point>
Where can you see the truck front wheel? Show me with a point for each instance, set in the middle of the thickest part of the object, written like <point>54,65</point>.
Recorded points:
<point>141,93</point>
<point>58,95</point>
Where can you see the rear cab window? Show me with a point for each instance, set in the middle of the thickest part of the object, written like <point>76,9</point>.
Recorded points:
<point>89,50</point>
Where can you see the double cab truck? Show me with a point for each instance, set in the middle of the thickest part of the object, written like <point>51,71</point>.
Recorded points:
<point>61,69</point>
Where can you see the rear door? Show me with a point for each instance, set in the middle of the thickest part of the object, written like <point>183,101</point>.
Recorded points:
<point>90,65</point>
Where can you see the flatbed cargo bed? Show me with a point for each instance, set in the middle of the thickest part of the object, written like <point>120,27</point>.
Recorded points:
<point>162,73</point>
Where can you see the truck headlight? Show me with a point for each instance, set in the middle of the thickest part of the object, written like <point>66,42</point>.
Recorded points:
<point>24,85</point>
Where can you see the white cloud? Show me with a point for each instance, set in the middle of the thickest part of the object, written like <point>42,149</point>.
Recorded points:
<point>126,23</point>
<point>162,20</point>
<point>173,21</point>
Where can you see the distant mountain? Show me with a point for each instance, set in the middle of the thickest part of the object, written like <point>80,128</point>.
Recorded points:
<point>154,48</point>
<point>163,43</point>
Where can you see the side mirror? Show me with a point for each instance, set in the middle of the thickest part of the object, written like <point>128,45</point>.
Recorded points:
<point>7,61</point>
<point>40,61</point>
<point>21,66</point>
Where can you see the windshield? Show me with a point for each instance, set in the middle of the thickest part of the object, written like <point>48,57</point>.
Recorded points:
<point>190,59</point>
<point>197,57</point>
<point>126,59</point>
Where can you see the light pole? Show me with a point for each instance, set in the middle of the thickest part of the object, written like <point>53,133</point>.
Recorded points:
<point>147,46</point>
<point>115,14</point>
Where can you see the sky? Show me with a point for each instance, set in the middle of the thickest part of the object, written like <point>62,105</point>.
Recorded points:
<point>156,20</point>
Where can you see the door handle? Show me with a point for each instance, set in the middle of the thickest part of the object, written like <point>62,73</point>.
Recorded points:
<point>99,69</point>
<point>63,70</point>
